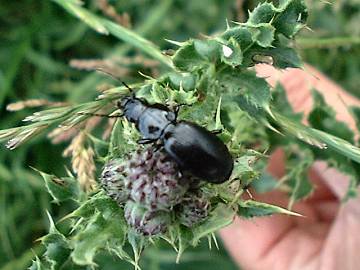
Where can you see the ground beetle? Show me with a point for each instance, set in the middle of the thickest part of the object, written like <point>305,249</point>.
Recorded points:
<point>193,147</point>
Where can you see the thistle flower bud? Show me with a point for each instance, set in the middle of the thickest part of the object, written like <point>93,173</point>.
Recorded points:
<point>154,181</point>
<point>145,221</point>
<point>194,209</point>
<point>112,180</point>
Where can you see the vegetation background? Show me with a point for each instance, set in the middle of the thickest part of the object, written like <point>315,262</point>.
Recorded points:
<point>38,41</point>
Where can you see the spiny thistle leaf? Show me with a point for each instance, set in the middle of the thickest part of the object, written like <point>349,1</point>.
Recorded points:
<point>263,13</point>
<point>187,58</point>
<point>185,237</point>
<point>318,138</point>
<point>57,247</point>
<point>61,189</point>
<point>221,217</point>
<point>101,229</point>
<point>250,209</point>
<point>263,34</point>
<point>177,79</point>
<point>292,18</point>
<point>244,169</point>
<point>38,265</point>
<point>231,53</point>
<point>298,164</point>
<point>323,117</point>
<point>98,202</point>
<point>246,86</point>
<point>138,244</point>
<point>123,138</point>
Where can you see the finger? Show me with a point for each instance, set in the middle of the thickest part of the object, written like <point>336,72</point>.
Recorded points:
<point>326,211</point>
<point>273,242</point>
<point>247,240</point>
<point>322,191</point>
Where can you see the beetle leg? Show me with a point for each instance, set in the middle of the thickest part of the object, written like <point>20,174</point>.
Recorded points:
<point>157,147</point>
<point>177,108</point>
<point>146,141</point>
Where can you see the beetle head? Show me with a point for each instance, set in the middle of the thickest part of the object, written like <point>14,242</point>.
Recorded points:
<point>132,107</point>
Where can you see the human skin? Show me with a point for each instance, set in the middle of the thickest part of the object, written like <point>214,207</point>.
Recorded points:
<point>328,236</point>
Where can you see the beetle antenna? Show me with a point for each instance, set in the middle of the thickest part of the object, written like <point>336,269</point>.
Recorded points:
<point>114,77</point>
<point>100,115</point>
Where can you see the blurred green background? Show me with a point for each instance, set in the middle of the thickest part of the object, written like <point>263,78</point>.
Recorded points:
<point>38,39</point>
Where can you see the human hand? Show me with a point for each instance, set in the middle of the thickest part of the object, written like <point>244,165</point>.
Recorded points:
<point>328,237</point>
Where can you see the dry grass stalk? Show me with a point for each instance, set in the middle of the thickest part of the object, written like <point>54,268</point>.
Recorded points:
<point>104,87</point>
<point>136,60</point>
<point>82,161</point>
<point>109,10</point>
<point>241,16</point>
<point>23,135</point>
<point>106,65</point>
<point>60,134</point>
<point>31,103</point>
<point>82,157</point>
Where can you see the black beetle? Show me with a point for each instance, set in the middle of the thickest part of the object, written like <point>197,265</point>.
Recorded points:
<point>193,147</point>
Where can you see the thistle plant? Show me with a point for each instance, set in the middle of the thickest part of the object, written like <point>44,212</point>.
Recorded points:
<point>215,77</point>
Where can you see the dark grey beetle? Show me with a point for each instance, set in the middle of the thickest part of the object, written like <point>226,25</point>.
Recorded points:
<point>193,147</point>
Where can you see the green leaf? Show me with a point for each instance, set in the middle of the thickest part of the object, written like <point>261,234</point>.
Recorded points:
<point>37,265</point>
<point>100,230</point>
<point>318,138</point>
<point>263,13</point>
<point>231,53</point>
<point>57,247</point>
<point>185,237</point>
<point>243,168</point>
<point>250,209</point>
<point>61,189</point>
<point>264,183</point>
<point>282,57</point>
<point>298,164</point>
<point>207,49</point>
<point>188,59</point>
<point>96,203</point>
<point>245,84</point>
<point>263,34</point>
<point>123,139</point>
<point>292,19</point>
<point>186,80</point>
<point>183,97</point>
<point>221,217</point>
<point>241,34</point>
<point>138,243</point>
<point>323,117</point>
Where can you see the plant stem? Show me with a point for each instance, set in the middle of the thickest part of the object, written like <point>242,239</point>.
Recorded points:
<point>105,26</point>
<point>309,43</point>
